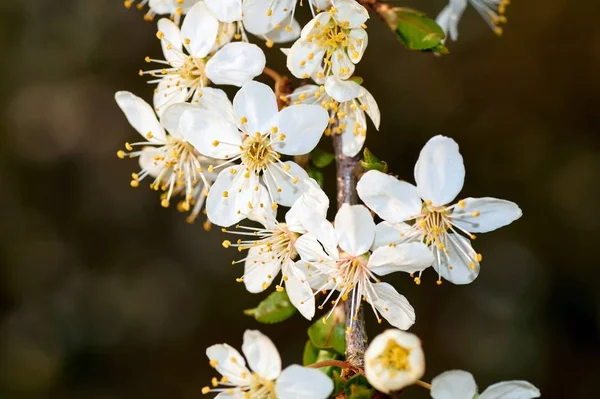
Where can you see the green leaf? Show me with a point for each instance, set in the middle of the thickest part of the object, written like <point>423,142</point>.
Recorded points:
<point>310,354</point>
<point>417,31</point>
<point>339,383</point>
<point>357,79</point>
<point>371,162</point>
<point>316,174</point>
<point>327,333</point>
<point>358,387</point>
<point>321,158</point>
<point>274,309</point>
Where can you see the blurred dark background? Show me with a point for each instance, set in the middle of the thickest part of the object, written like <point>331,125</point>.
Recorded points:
<point>104,294</point>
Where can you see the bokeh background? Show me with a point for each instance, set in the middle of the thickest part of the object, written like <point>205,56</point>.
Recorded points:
<point>104,294</point>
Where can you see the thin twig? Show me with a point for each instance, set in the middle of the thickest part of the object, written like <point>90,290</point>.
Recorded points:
<point>282,86</point>
<point>338,363</point>
<point>347,177</point>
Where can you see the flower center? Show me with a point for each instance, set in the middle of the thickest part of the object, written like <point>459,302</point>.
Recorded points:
<point>434,223</point>
<point>257,152</point>
<point>261,388</point>
<point>395,357</point>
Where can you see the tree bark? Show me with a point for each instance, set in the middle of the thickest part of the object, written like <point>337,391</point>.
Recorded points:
<point>347,170</point>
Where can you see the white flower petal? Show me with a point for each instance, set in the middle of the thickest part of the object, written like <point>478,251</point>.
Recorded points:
<point>393,200</point>
<point>256,19</point>
<point>482,215</point>
<point>297,382</point>
<point>171,117</point>
<point>301,127</point>
<point>383,376</point>
<point>227,210</point>
<point>456,267</point>
<point>310,250</point>
<point>260,270</point>
<point>141,116</point>
<point>171,43</point>
<point>210,133</point>
<point>350,14</point>
<point>226,10</point>
<point>310,208</point>
<point>166,94</point>
<point>358,44</point>
<point>256,103</point>
<point>393,307</point>
<point>354,134</point>
<point>409,258</point>
<point>450,16</point>
<point>317,280</point>
<point>341,65</point>
<point>372,107</point>
<point>282,35</point>
<point>355,229</point>
<point>215,100</point>
<point>342,90</point>
<point>262,355</point>
<point>229,363</point>
<point>281,183</point>
<point>394,233</point>
<point>150,160</point>
<point>235,64</point>
<point>439,172</point>
<point>299,291</point>
<point>234,395</point>
<point>319,20</point>
<point>453,384</point>
<point>304,58</point>
<point>201,28</point>
<point>511,390</point>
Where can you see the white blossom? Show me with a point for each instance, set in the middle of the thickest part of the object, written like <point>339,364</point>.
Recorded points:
<point>262,17</point>
<point>439,174</point>
<point>165,155</point>
<point>256,137</point>
<point>263,377</point>
<point>352,270</point>
<point>348,103</point>
<point>459,384</point>
<point>394,360</point>
<point>271,248</point>
<point>174,8</point>
<point>492,12</point>
<point>334,40</point>
<point>201,52</point>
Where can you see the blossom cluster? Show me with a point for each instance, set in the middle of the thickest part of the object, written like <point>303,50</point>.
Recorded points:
<point>235,161</point>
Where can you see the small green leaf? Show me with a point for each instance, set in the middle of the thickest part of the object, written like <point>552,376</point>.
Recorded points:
<point>321,158</point>
<point>327,333</point>
<point>371,162</point>
<point>357,79</point>
<point>358,387</point>
<point>274,309</point>
<point>339,383</point>
<point>417,31</point>
<point>310,354</point>
<point>316,174</point>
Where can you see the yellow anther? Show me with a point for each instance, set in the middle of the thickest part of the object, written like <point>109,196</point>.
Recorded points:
<point>134,183</point>
<point>479,257</point>
<point>239,280</point>
<point>187,40</point>
<point>128,147</point>
<point>210,168</point>
<point>121,154</point>
<point>160,35</point>
<point>205,390</point>
<point>215,143</point>
<point>417,281</point>
<point>269,12</point>
<point>439,282</point>
<point>269,43</point>
<point>147,59</point>
<point>475,214</point>
<point>165,203</point>
<point>243,120</point>
<point>286,167</point>
<point>226,244</point>
<point>214,382</point>
<point>288,28</point>
<point>225,194</point>
<point>274,205</point>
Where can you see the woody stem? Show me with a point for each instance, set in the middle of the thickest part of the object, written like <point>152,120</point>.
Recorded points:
<point>347,170</point>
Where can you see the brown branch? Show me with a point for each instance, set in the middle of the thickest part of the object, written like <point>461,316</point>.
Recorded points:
<point>282,86</point>
<point>337,363</point>
<point>347,176</point>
